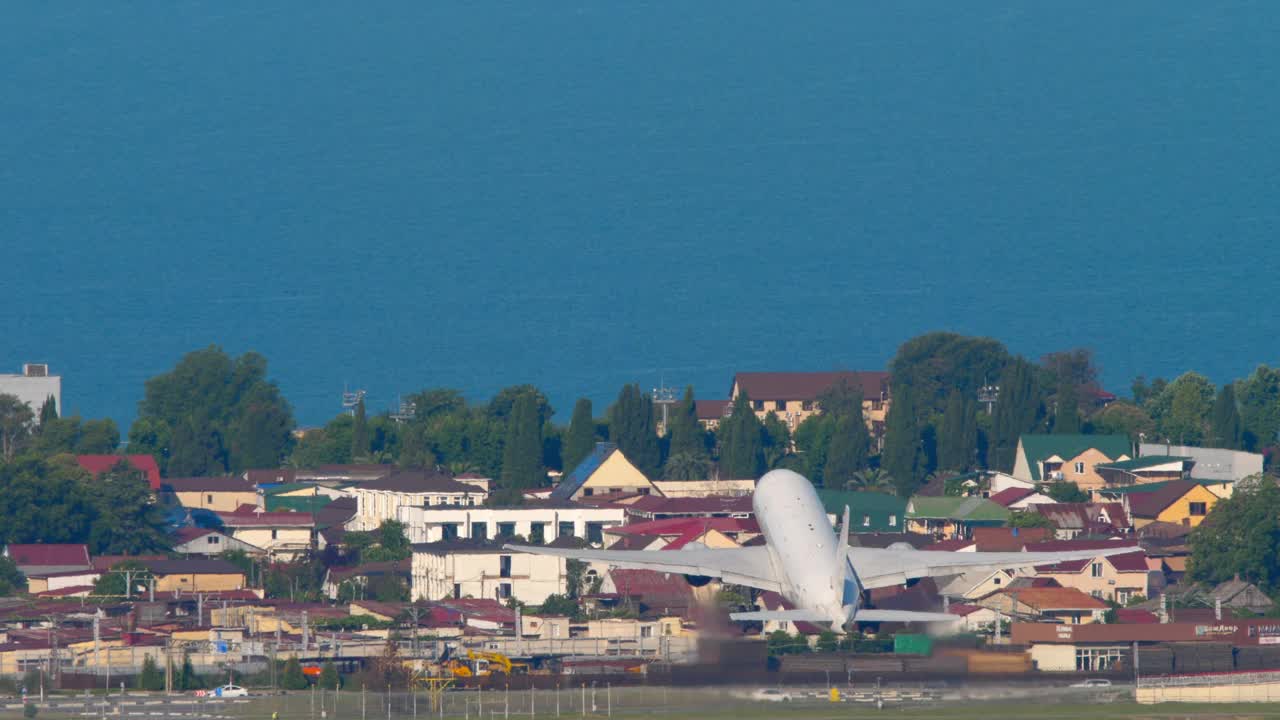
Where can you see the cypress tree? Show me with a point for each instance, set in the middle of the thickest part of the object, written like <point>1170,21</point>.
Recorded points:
<point>686,433</point>
<point>360,432</point>
<point>581,436</point>
<point>1226,425</point>
<point>633,429</point>
<point>970,433</point>
<point>741,447</point>
<point>48,411</point>
<point>522,448</point>
<point>1066,420</point>
<point>902,453</point>
<point>954,451</point>
<point>1017,411</point>
<point>847,452</point>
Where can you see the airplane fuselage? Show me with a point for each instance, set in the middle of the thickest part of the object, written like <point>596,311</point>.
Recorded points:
<point>803,547</point>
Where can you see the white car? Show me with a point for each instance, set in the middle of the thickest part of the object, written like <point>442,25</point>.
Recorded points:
<point>771,695</point>
<point>1093,683</point>
<point>229,691</point>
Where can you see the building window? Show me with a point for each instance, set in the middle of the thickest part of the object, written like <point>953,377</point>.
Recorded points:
<point>1198,508</point>
<point>565,529</point>
<point>449,531</point>
<point>479,531</point>
<point>806,405</point>
<point>537,533</point>
<point>866,521</point>
<point>893,521</point>
<point>275,534</point>
<point>504,591</point>
<point>758,404</point>
<point>210,499</point>
<point>504,566</point>
<point>506,529</point>
<point>214,539</point>
<point>995,580</point>
<point>1097,594</point>
<point>457,591</point>
<point>780,405</point>
<point>646,631</point>
<point>1095,570</point>
<point>588,492</point>
<point>595,532</point>
<point>1079,468</point>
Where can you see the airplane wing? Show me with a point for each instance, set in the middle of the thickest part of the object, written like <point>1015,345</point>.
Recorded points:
<point>881,568</point>
<point>749,566</point>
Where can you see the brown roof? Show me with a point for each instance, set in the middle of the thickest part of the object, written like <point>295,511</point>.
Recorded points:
<point>420,480</point>
<point>206,484</point>
<point>1057,598</point>
<point>1151,504</point>
<point>808,385</point>
<point>711,409</point>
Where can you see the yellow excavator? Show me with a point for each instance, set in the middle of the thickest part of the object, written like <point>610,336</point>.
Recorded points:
<point>483,664</point>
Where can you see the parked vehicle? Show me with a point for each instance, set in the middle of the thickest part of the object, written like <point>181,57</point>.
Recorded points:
<point>1092,683</point>
<point>230,691</point>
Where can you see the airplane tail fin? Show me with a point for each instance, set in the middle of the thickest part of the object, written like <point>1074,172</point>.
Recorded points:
<point>800,615</point>
<point>842,549</point>
<point>902,616</point>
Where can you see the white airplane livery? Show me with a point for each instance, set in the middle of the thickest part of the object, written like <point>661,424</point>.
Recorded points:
<point>804,560</point>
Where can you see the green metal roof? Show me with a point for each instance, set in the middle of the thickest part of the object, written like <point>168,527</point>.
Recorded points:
<point>286,487</point>
<point>969,509</point>
<point>1143,462</point>
<point>876,508</point>
<point>303,503</point>
<point>1037,448</point>
<point>1150,487</point>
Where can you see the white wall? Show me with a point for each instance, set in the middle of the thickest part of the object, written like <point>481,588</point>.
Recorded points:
<point>33,390</point>
<point>426,525</point>
<point>532,577</point>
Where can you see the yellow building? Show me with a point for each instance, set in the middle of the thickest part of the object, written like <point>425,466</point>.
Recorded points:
<point>793,397</point>
<point>1117,578</point>
<point>281,534</point>
<point>1181,502</point>
<point>195,575</point>
<point>605,470</point>
<point>219,494</point>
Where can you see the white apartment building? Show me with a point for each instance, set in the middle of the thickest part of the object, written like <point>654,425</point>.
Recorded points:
<point>537,522</point>
<point>381,499</point>
<point>33,387</point>
<point>464,568</point>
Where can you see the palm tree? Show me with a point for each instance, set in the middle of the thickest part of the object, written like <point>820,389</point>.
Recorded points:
<point>871,479</point>
<point>686,466</point>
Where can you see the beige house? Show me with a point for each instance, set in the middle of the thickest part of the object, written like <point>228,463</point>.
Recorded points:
<point>195,575</point>
<point>1116,578</point>
<point>283,535</point>
<point>793,397</point>
<point>1069,458</point>
<point>467,568</point>
<point>219,494</point>
<point>605,470</point>
<point>1057,604</point>
<point>381,499</point>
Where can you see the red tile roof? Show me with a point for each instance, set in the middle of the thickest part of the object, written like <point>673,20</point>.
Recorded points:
<point>1059,598</point>
<point>1088,517</point>
<point>251,518</point>
<point>1009,496</point>
<point>1003,539</point>
<point>106,562</point>
<point>98,464</point>
<point>1135,561</point>
<point>1136,615</point>
<point>962,609</point>
<point>651,505</point>
<point>42,555</point>
<point>1151,504</point>
<point>808,385</point>
<point>711,409</point>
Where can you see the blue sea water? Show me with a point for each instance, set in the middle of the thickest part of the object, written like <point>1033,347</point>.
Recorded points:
<point>582,194</point>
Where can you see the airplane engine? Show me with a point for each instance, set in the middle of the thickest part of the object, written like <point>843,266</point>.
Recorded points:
<point>697,580</point>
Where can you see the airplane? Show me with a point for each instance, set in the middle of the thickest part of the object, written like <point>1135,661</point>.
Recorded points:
<point>804,561</point>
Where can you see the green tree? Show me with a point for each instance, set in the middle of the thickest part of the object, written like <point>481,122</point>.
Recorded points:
<point>1124,418</point>
<point>1182,410</point>
<point>152,677</point>
<point>1241,536</point>
<point>151,436</point>
<point>127,521</point>
<point>937,364</point>
<point>813,440</point>
<point>775,441</point>
<point>903,454</point>
<point>847,453</point>
<point>580,439</point>
<point>522,451</point>
<point>329,677</point>
<point>15,425</point>
<point>187,679</point>
<point>1029,519</point>
<point>688,437</point>
<point>1018,410</point>
<point>114,583</point>
<point>632,427</point>
<point>293,677</point>
<point>741,444</point>
<point>49,410</point>
<point>1066,417</point>
<point>98,437</point>
<point>12,580</point>
<point>686,466</point>
<point>1225,420</point>
<point>560,605</point>
<point>360,431</point>
<point>44,501</point>
<point>57,435</point>
<point>1067,492</point>
<point>828,641</point>
<point>958,437</point>
<point>1259,396</point>
<point>220,413</point>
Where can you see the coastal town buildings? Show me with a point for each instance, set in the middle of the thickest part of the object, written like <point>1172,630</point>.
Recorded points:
<point>33,386</point>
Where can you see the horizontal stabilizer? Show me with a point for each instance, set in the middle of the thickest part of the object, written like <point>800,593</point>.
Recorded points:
<point>800,615</point>
<point>902,616</point>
